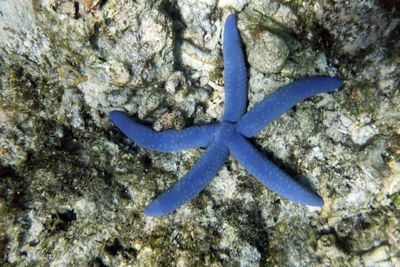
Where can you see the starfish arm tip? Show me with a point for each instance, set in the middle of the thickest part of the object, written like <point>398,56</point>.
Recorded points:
<point>191,184</point>
<point>154,210</point>
<point>269,174</point>
<point>320,203</point>
<point>235,77</point>
<point>283,99</point>
<point>309,198</point>
<point>165,141</point>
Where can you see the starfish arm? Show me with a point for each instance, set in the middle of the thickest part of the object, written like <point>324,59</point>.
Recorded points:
<point>280,101</point>
<point>235,73</point>
<point>192,183</point>
<point>165,141</point>
<point>269,174</point>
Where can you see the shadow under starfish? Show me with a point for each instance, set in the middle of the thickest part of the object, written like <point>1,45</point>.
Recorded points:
<point>229,136</point>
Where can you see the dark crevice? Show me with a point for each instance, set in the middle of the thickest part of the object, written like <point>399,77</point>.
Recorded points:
<point>256,234</point>
<point>172,10</point>
<point>116,247</point>
<point>60,220</point>
<point>97,262</point>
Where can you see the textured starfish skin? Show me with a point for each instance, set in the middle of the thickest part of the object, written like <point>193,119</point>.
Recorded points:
<point>229,135</point>
<point>165,141</point>
<point>235,79</point>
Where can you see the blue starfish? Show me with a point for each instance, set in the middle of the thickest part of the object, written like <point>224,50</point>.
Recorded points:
<point>228,136</point>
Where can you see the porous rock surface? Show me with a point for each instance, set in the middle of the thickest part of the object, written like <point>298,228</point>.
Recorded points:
<point>73,187</point>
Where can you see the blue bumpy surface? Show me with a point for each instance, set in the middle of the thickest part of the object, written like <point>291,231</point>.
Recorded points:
<point>228,136</point>
<point>235,79</point>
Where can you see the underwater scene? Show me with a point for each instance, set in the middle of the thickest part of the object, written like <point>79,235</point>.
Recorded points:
<point>199,133</point>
